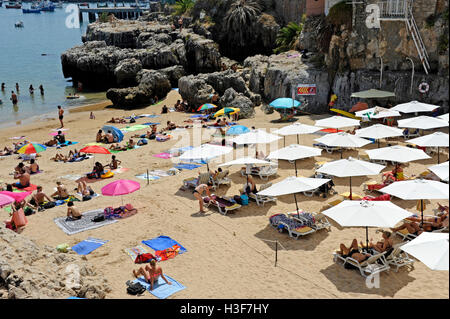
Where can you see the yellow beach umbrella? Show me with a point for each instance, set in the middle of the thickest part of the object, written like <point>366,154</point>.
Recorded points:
<point>227,110</point>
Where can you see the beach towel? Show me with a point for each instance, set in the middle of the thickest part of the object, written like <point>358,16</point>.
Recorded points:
<point>134,251</point>
<point>72,177</point>
<point>151,123</point>
<point>60,129</point>
<point>187,166</point>
<point>149,115</point>
<point>72,297</point>
<point>114,151</point>
<point>179,151</point>
<point>83,224</point>
<point>17,137</point>
<point>163,155</point>
<point>134,128</point>
<point>120,170</point>
<point>89,245</point>
<point>161,289</point>
<point>159,173</point>
<point>162,243</point>
<point>30,188</point>
<point>95,143</point>
<point>149,177</point>
<point>66,143</point>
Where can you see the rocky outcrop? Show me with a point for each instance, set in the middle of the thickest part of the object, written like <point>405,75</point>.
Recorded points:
<point>239,100</point>
<point>28,271</point>
<point>126,71</point>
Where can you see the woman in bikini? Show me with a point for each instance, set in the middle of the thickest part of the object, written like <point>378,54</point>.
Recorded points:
<point>383,245</point>
<point>151,273</point>
<point>353,252</point>
<point>198,191</point>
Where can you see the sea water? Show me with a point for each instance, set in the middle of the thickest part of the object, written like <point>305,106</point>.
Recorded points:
<point>32,55</point>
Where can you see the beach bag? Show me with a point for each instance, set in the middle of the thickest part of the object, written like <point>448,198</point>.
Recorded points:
<point>99,218</point>
<point>143,258</point>
<point>49,205</point>
<point>28,211</point>
<point>132,120</point>
<point>86,197</point>
<point>244,199</point>
<point>135,288</point>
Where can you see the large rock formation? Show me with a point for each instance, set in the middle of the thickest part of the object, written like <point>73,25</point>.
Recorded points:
<point>30,271</point>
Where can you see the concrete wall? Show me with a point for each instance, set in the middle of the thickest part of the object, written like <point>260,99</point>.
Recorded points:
<point>290,10</point>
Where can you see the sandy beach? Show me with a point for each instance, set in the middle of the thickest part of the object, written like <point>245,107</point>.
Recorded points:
<point>227,256</point>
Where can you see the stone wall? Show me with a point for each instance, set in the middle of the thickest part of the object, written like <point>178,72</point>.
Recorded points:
<point>290,10</point>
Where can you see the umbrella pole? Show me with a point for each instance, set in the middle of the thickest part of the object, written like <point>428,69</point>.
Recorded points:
<point>148,181</point>
<point>284,140</point>
<point>295,165</point>
<point>438,156</point>
<point>342,151</point>
<point>296,204</point>
<point>298,142</point>
<point>378,143</point>
<point>367,237</point>
<point>351,188</point>
<point>421,210</point>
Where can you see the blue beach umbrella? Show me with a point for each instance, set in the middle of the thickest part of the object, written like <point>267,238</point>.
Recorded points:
<point>284,103</point>
<point>237,130</point>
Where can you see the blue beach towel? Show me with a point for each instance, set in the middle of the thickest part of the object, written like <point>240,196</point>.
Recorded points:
<point>161,289</point>
<point>150,177</point>
<point>187,166</point>
<point>163,242</point>
<point>89,245</point>
<point>151,123</point>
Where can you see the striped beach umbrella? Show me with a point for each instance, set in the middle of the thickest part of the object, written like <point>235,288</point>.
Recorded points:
<point>206,106</point>
<point>227,110</point>
<point>31,148</point>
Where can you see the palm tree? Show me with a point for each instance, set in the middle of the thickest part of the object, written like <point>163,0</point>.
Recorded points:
<point>287,37</point>
<point>181,6</point>
<point>239,18</point>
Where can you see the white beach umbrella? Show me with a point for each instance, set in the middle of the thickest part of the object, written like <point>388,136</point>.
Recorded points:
<point>414,107</point>
<point>437,139</point>
<point>423,122</point>
<point>417,189</point>
<point>367,214</point>
<point>205,152</point>
<point>297,129</point>
<point>293,185</point>
<point>343,139</point>
<point>429,248</point>
<point>295,152</point>
<point>379,131</point>
<point>337,122</point>
<point>247,161</point>
<point>256,137</point>
<point>444,117</point>
<point>377,113</point>
<point>441,170</point>
<point>397,153</point>
<point>350,167</point>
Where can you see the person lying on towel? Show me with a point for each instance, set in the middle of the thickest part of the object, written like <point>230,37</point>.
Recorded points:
<point>72,212</point>
<point>151,273</point>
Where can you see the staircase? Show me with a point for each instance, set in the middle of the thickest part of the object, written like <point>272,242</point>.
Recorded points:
<point>402,10</point>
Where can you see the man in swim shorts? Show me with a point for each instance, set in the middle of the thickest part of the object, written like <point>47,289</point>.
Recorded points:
<point>61,115</point>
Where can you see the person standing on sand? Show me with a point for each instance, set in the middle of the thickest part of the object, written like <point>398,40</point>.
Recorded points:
<point>13,98</point>
<point>61,115</point>
<point>198,191</point>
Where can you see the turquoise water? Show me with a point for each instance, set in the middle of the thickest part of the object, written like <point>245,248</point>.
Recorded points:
<point>21,61</point>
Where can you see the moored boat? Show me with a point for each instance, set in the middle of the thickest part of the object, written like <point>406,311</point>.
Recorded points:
<point>31,10</point>
<point>13,6</point>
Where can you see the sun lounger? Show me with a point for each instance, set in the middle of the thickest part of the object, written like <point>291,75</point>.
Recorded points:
<point>372,186</point>
<point>203,178</point>
<point>261,199</point>
<point>294,227</point>
<point>383,197</point>
<point>263,172</point>
<point>329,149</point>
<point>223,204</point>
<point>407,134</point>
<point>221,179</point>
<point>319,220</point>
<point>334,203</point>
<point>371,266</point>
<point>398,258</point>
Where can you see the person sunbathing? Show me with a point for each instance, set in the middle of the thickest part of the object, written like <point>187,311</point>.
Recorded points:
<point>151,273</point>
<point>33,168</point>
<point>108,138</point>
<point>20,168</point>
<point>60,138</point>
<point>39,197</point>
<point>86,191</point>
<point>130,144</point>
<point>353,252</point>
<point>24,180</point>
<point>59,158</point>
<point>170,126</point>
<point>52,142</point>
<point>430,223</point>
<point>6,151</point>
<point>383,245</point>
<point>114,163</point>
<point>61,191</point>
<point>99,137</point>
<point>250,186</point>
<point>72,212</point>
<point>117,120</point>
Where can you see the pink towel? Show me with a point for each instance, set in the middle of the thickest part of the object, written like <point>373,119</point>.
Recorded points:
<point>163,155</point>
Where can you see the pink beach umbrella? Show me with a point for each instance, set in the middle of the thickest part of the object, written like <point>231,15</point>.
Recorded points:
<point>120,187</point>
<point>18,197</point>
<point>5,200</point>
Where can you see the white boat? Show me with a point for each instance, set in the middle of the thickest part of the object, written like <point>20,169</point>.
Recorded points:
<point>58,5</point>
<point>18,24</point>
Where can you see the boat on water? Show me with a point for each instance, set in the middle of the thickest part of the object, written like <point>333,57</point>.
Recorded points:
<point>31,10</point>
<point>13,5</point>
<point>18,24</point>
<point>58,5</point>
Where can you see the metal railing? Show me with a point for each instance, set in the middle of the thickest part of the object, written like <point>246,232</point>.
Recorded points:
<point>393,9</point>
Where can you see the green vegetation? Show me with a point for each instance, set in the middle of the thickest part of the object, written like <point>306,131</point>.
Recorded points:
<point>239,17</point>
<point>103,17</point>
<point>341,14</point>
<point>183,6</point>
<point>443,44</point>
<point>288,35</point>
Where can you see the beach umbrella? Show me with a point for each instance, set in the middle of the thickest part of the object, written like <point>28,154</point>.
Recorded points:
<point>379,131</point>
<point>350,167</point>
<point>429,248</point>
<point>423,122</point>
<point>255,137</point>
<point>95,149</point>
<point>414,107</point>
<point>444,117</point>
<point>441,170</point>
<point>206,106</point>
<point>397,153</point>
<point>367,214</point>
<point>294,152</point>
<point>227,110</point>
<point>284,103</point>
<point>118,134</point>
<point>373,94</point>
<point>296,129</point>
<point>247,161</point>
<point>377,113</point>
<point>337,122</point>
<point>293,185</point>
<point>237,130</point>
<point>437,139</point>
<point>417,189</point>
<point>205,153</point>
<point>6,200</point>
<point>343,139</point>
<point>31,148</point>
<point>120,187</point>
<point>17,196</point>
<point>360,106</point>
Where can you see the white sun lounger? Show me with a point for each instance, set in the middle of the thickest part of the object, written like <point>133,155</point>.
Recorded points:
<point>398,258</point>
<point>321,221</point>
<point>371,266</point>
<point>261,199</point>
<point>221,179</point>
<point>293,232</point>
